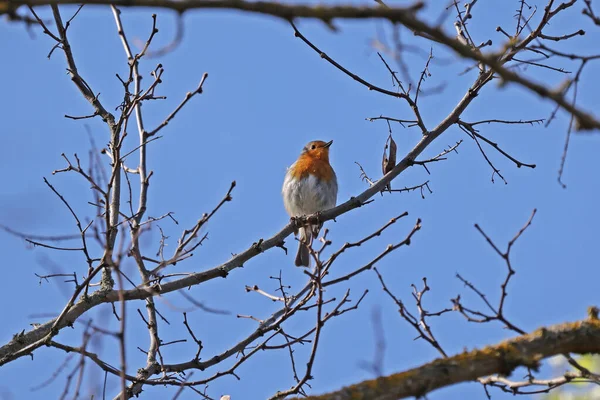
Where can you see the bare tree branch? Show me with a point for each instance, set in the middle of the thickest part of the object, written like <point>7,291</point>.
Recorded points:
<point>526,350</point>
<point>280,10</point>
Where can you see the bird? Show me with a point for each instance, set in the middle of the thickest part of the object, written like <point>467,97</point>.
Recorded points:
<point>310,186</point>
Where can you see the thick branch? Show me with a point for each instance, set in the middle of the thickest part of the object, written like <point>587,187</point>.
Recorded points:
<point>527,350</point>
<point>280,10</point>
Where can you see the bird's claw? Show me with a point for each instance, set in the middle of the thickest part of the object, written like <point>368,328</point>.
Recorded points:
<point>316,227</point>
<point>297,224</point>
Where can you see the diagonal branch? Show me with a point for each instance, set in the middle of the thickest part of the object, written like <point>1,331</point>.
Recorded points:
<point>526,350</point>
<point>81,84</point>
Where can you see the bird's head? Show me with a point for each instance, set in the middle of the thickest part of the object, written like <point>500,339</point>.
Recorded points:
<point>317,149</point>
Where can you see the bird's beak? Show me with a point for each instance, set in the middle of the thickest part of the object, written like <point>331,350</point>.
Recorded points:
<point>328,144</point>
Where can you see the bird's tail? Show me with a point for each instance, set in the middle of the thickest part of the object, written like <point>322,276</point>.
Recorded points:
<point>305,240</point>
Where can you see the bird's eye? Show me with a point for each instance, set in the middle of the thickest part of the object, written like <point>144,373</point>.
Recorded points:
<point>313,147</point>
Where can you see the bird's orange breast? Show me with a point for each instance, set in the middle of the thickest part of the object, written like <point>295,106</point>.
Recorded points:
<point>311,165</point>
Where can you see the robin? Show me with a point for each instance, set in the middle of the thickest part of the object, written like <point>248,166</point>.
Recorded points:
<point>310,186</point>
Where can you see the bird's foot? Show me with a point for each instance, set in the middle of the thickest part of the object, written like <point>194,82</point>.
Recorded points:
<point>318,224</point>
<point>298,223</point>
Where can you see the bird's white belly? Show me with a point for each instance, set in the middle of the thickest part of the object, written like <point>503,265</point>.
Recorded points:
<point>309,195</point>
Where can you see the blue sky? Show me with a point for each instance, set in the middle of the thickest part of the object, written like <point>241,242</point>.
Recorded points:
<point>268,94</point>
